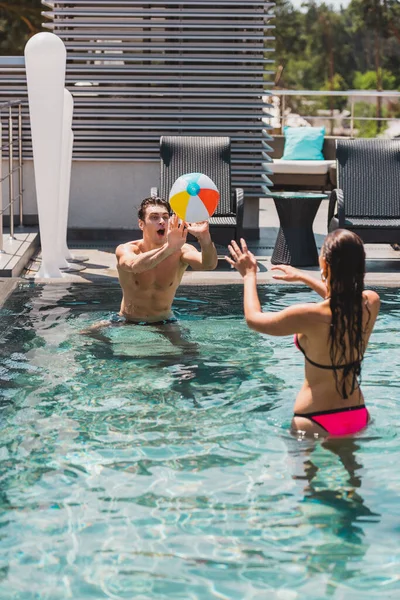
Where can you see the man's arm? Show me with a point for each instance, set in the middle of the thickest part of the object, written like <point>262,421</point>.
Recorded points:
<point>207,259</point>
<point>132,260</point>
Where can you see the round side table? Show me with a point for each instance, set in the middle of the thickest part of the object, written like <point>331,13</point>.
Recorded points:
<point>295,244</point>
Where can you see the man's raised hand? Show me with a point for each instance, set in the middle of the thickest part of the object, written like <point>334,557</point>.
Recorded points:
<point>177,233</point>
<point>199,230</point>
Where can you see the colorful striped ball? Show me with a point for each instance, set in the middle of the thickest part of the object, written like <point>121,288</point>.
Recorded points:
<point>194,197</point>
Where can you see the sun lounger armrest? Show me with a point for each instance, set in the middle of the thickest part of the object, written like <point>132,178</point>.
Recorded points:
<point>238,208</point>
<point>336,198</point>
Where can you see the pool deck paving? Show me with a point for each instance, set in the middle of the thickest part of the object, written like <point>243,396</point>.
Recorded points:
<point>383,262</point>
<point>16,251</point>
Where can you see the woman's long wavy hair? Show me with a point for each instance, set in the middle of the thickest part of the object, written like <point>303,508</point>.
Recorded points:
<point>345,256</point>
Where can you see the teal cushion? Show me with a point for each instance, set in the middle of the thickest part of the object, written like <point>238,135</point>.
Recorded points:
<point>303,143</point>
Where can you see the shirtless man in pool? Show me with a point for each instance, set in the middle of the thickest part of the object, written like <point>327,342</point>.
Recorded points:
<point>151,269</point>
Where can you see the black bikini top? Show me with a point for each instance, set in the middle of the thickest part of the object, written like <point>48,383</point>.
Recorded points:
<point>319,366</point>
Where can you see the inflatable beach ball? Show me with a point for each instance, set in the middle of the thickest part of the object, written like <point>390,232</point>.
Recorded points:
<point>194,197</point>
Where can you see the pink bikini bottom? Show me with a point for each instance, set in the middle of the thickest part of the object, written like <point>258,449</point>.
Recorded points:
<point>343,421</point>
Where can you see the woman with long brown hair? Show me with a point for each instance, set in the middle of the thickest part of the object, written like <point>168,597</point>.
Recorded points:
<point>332,334</point>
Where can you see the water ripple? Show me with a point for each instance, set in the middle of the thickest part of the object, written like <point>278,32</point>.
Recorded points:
<point>133,468</point>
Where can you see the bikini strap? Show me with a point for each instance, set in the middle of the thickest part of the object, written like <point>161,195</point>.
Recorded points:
<point>331,411</point>
<point>318,365</point>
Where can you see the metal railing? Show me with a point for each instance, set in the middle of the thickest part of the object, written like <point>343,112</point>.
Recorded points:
<point>353,97</point>
<point>13,146</point>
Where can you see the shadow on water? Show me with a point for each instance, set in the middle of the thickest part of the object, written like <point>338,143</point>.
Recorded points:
<point>47,316</point>
<point>333,505</point>
<point>186,363</point>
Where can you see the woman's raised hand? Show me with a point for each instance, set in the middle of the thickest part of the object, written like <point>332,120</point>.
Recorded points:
<point>289,273</point>
<point>241,258</point>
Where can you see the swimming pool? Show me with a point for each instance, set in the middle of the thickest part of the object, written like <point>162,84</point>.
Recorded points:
<point>135,468</point>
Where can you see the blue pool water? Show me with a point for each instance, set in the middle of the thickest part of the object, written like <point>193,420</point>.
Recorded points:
<point>131,467</point>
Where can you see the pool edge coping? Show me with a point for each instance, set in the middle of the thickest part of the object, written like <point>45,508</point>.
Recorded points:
<point>7,286</point>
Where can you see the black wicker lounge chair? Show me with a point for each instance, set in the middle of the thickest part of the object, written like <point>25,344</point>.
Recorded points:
<point>368,194</point>
<point>211,156</point>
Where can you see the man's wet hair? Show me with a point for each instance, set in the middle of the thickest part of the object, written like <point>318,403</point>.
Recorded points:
<point>152,201</point>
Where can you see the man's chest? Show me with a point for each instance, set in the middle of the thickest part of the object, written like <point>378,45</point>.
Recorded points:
<point>162,277</point>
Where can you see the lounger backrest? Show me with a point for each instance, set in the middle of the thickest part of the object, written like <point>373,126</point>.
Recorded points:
<point>368,172</point>
<point>197,154</point>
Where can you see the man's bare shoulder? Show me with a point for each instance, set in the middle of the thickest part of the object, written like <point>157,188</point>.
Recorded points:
<point>128,248</point>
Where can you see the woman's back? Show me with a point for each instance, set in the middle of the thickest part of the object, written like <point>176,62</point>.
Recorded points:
<point>323,385</point>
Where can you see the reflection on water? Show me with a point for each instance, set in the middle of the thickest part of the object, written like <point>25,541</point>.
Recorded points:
<point>332,500</point>
<point>133,467</point>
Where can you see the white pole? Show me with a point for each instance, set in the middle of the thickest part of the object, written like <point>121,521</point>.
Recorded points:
<point>45,60</point>
<point>64,247</point>
<point>65,181</point>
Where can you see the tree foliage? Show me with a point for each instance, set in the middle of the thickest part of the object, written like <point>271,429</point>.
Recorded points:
<point>368,80</point>
<point>19,20</point>
<point>316,45</point>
